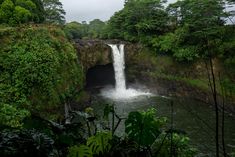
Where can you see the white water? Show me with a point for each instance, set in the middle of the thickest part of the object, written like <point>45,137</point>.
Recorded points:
<point>119,67</point>
<point>120,91</point>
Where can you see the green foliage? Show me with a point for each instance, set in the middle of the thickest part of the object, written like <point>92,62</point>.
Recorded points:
<point>96,28</point>
<point>54,12</point>
<point>96,145</point>
<point>68,140</point>
<point>137,20</point>
<point>10,116</point>
<point>81,151</point>
<point>198,32</point>
<point>27,4</point>
<point>93,30</point>
<point>139,124</point>
<point>21,15</point>
<point>180,146</point>
<point>143,127</point>
<point>6,10</point>
<point>99,143</point>
<point>14,12</point>
<point>74,30</point>
<point>38,12</point>
<point>39,69</point>
<point>187,53</point>
<point>186,30</point>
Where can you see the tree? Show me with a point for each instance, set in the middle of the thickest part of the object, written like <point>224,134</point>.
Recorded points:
<point>6,10</point>
<point>73,30</point>
<point>139,20</point>
<point>21,11</point>
<point>21,15</point>
<point>96,28</point>
<point>54,12</point>
<point>203,23</point>
<point>39,12</point>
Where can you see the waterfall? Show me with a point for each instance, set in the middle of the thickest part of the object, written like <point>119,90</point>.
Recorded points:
<point>120,92</point>
<point>119,67</point>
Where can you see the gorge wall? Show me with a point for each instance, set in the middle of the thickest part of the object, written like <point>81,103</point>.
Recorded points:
<point>161,74</point>
<point>97,52</point>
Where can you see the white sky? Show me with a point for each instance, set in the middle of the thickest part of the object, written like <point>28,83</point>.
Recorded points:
<point>87,10</point>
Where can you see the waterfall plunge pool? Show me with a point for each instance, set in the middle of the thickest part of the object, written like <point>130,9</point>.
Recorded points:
<point>195,118</point>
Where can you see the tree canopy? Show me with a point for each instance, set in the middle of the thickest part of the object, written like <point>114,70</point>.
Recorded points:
<point>138,18</point>
<point>21,11</point>
<point>54,12</point>
<point>15,12</point>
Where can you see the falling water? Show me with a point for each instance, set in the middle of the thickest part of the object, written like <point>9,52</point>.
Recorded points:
<point>119,67</point>
<point>120,91</point>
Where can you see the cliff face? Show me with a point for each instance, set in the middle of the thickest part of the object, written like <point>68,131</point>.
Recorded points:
<point>92,53</point>
<point>97,52</point>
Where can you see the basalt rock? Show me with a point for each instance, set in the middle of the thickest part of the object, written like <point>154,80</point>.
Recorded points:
<point>97,52</point>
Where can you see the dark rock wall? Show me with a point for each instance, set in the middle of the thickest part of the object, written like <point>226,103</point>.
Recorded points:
<point>92,53</point>
<point>97,52</point>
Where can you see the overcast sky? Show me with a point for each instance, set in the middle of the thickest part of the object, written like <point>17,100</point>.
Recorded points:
<point>87,10</point>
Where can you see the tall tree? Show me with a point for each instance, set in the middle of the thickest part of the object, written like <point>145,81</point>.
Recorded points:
<point>54,12</point>
<point>203,23</point>
<point>96,27</point>
<point>39,12</point>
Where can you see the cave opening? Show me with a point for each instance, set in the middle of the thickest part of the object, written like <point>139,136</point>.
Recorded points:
<point>100,76</point>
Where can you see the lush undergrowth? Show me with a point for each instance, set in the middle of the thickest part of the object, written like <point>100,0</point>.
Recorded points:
<point>87,135</point>
<point>40,72</point>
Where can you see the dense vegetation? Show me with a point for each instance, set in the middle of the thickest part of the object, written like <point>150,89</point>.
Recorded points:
<point>188,31</point>
<point>93,30</point>
<point>13,12</point>
<point>39,71</point>
<point>185,30</point>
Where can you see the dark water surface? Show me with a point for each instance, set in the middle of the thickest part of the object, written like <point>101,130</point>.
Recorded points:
<point>195,118</point>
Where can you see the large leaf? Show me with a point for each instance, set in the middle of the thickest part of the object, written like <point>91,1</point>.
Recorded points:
<point>96,145</point>
<point>100,143</point>
<point>143,127</point>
